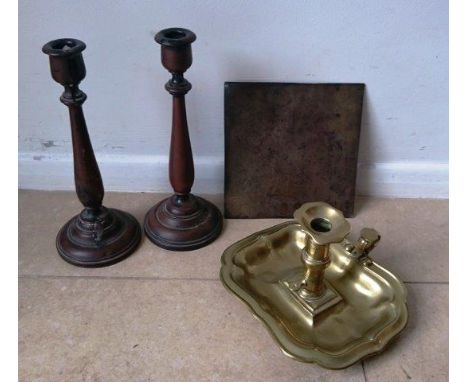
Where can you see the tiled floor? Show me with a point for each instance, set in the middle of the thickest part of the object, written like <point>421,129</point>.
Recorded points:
<point>164,316</point>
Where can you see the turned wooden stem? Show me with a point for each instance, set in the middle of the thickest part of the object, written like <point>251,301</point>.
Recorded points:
<point>176,57</point>
<point>181,172</point>
<point>88,181</point>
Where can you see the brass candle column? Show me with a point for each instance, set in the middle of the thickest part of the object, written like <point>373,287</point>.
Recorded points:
<point>316,260</point>
<point>324,225</point>
<point>183,221</point>
<point>98,236</point>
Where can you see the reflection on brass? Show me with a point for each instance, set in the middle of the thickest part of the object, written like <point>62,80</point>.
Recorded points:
<point>321,296</point>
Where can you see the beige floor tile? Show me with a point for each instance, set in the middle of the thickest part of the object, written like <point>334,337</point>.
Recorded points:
<point>421,353</point>
<point>41,214</point>
<point>414,238</point>
<point>77,329</point>
<point>415,235</point>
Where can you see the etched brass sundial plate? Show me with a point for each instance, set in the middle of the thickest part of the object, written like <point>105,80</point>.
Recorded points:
<point>365,310</point>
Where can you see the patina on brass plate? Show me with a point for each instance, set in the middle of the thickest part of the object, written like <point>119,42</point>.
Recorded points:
<point>372,310</point>
<point>286,144</point>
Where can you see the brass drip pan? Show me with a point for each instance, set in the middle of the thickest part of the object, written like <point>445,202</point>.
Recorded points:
<point>368,311</point>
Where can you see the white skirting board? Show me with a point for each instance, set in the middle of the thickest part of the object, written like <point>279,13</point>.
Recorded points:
<point>150,174</point>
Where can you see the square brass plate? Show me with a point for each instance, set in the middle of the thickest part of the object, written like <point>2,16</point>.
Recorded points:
<point>286,144</point>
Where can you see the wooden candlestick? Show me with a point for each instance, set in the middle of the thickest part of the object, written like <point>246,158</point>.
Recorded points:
<point>98,236</point>
<point>183,221</point>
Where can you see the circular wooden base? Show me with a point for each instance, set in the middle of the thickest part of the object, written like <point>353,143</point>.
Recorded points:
<point>93,239</point>
<point>183,223</point>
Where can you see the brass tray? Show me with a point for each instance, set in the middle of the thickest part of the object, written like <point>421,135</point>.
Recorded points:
<point>371,312</point>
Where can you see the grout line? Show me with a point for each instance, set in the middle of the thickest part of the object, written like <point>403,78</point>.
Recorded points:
<point>427,282</point>
<point>156,278</point>
<point>364,371</point>
<point>143,278</point>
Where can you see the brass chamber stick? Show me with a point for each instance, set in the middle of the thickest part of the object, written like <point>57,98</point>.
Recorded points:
<point>322,297</point>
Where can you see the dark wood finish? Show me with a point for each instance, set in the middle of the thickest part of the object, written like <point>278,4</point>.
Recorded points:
<point>98,236</point>
<point>287,144</point>
<point>184,221</point>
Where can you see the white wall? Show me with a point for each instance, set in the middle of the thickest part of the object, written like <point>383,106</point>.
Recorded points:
<point>398,48</point>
